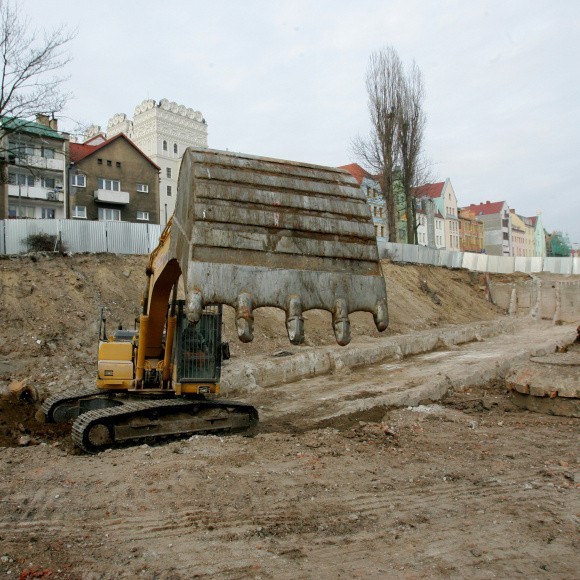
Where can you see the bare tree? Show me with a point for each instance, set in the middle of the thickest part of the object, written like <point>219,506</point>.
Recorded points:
<point>29,81</point>
<point>379,151</point>
<point>395,144</point>
<point>410,130</point>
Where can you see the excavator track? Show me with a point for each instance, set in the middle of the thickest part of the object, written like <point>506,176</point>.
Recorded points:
<point>134,421</point>
<point>69,405</point>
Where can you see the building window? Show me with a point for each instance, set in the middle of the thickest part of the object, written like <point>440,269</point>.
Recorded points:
<point>79,211</point>
<point>109,164</point>
<point>107,214</point>
<point>164,145</point>
<point>175,149</point>
<point>47,182</point>
<point>48,153</point>
<point>23,211</point>
<point>143,216</point>
<point>169,191</point>
<point>168,172</point>
<point>78,180</point>
<point>109,184</point>
<point>47,213</point>
<point>20,179</point>
<point>143,188</point>
<point>117,164</point>
<point>100,161</point>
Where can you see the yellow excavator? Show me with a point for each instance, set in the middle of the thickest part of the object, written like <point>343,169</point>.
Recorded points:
<point>247,232</point>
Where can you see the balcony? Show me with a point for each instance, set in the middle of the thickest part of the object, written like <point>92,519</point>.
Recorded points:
<point>108,196</point>
<point>31,192</point>
<point>40,162</point>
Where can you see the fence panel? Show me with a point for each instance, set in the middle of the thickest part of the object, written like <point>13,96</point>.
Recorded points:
<point>84,236</point>
<point>154,233</point>
<point>558,266</point>
<point>127,238</point>
<point>17,231</point>
<point>410,253</point>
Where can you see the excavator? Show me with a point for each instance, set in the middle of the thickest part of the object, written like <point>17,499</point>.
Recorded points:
<point>247,232</point>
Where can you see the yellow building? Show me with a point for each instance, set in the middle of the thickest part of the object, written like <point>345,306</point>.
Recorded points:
<point>471,232</point>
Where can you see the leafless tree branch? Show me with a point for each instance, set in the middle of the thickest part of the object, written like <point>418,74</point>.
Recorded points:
<point>28,58</point>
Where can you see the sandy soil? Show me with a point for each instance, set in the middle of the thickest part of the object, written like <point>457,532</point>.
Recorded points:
<point>470,487</point>
<point>473,487</point>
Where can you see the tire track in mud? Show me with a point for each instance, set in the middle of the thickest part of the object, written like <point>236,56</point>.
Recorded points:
<point>39,514</point>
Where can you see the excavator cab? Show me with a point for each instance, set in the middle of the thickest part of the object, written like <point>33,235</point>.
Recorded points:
<point>198,354</point>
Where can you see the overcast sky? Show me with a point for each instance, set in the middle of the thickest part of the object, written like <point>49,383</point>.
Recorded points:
<point>286,79</point>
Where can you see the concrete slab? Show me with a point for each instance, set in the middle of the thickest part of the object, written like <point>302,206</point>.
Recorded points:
<point>548,384</point>
<point>396,371</point>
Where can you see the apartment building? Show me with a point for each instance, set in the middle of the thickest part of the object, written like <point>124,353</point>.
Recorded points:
<point>443,194</point>
<point>471,232</point>
<point>497,226</point>
<point>374,197</point>
<point>37,155</point>
<point>113,180</point>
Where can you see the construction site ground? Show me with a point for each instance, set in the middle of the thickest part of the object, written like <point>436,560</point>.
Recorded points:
<point>400,456</point>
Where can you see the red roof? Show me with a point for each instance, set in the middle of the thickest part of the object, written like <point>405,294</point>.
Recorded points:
<point>432,190</point>
<point>79,151</point>
<point>357,172</point>
<point>487,208</point>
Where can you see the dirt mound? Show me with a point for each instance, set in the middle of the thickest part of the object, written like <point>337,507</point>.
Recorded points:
<point>50,309</point>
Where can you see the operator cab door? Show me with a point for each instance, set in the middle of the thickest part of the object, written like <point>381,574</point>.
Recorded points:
<point>198,353</point>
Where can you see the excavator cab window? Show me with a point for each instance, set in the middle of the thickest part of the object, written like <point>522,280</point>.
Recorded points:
<point>199,352</point>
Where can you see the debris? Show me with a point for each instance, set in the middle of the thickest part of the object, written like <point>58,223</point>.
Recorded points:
<point>24,440</point>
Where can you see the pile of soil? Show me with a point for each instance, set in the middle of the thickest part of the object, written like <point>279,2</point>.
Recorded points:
<point>50,309</point>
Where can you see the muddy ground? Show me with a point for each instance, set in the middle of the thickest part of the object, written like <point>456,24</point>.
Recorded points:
<point>470,486</point>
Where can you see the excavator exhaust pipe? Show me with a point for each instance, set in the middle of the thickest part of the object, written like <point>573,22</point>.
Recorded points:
<point>252,231</point>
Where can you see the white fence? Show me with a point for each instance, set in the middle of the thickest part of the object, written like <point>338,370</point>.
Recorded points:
<point>80,236</point>
<point>477,262</point>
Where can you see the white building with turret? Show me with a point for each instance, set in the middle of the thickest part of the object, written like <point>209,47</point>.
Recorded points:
<point>162,131</point>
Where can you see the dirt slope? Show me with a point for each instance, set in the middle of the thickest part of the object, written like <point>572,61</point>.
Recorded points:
<point>50,308</point>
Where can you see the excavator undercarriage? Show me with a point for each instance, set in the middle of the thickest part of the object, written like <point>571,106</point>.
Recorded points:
<point>247,232</point>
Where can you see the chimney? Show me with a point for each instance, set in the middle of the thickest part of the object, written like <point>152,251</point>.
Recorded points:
<point>43,120</point>
<point>53,124</point>
<point>487,202</point>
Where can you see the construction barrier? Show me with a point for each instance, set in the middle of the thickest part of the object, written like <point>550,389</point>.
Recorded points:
<point>78,236</point>
<point>477,262</point>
